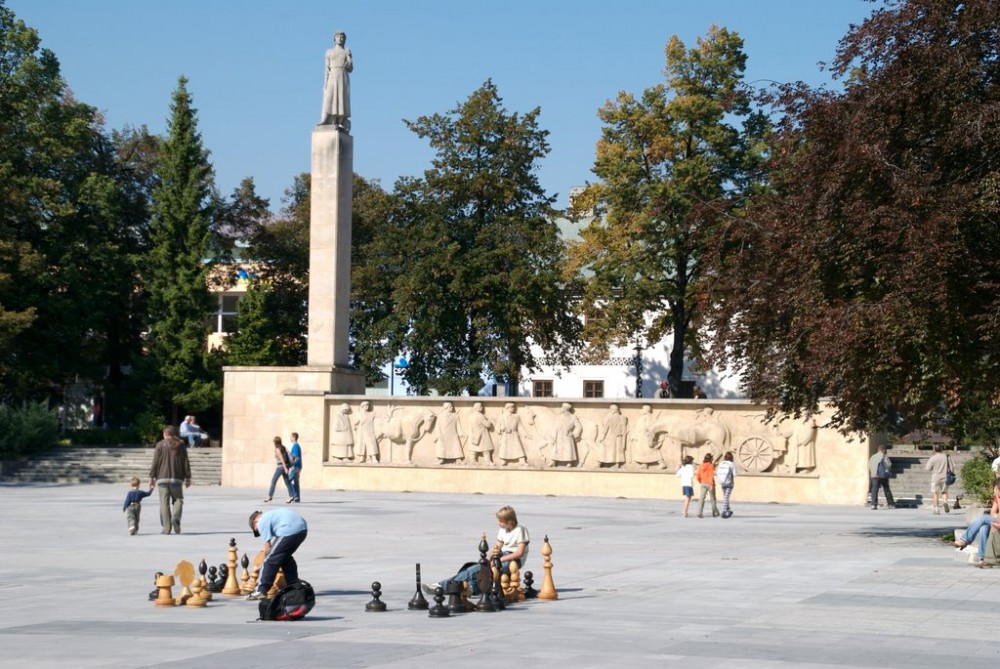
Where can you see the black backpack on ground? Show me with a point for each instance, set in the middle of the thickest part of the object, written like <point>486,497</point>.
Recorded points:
<point>292,602</point>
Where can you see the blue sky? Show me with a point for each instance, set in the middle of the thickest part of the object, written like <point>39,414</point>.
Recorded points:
<point>255,67</point>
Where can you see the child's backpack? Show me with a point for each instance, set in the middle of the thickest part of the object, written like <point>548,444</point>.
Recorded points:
<point>292,602</point>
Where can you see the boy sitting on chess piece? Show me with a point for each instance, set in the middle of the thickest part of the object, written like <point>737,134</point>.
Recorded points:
<point>512,540</point>
<point>133,505</point>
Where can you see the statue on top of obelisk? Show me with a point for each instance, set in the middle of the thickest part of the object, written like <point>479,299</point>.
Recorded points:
<point>337,84</point>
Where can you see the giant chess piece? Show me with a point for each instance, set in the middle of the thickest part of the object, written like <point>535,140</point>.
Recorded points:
<point>417,602</point>
<point>376,605</point>
<point>454,592</point>
<point>216,579</point>
<point>496,592</point>
<point>164,583</point>
<point>529,586</point>
<point>484,579</point>
<point>548,590</point>
<point>156,590</point>
<point>439,610</point>
<point>231,588</point>
<point>206,594</point>
<point>245,587</point>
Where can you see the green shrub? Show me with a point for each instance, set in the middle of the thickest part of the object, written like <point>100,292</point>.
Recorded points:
<point>25,430</point>
<point>94,436</point>
<point>977,479</point>
<point>149,427</point>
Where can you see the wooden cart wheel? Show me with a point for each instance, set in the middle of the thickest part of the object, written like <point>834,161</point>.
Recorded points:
<point>755,454</point>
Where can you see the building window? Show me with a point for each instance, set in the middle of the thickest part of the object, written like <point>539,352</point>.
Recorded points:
<point>593,388</point>
<point>541,389</point>
<point>593,316</point>
<point>224,318</point>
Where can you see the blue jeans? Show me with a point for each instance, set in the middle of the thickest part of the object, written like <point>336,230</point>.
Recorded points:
<point>293,482</point>
<point>469,574</point>
<point>279,473</point>
<point>280,556</point>
<point>193,439</point>
<point>979,529</point>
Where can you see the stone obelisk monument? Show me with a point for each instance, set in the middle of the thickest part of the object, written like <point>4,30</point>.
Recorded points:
<point>330,223</point>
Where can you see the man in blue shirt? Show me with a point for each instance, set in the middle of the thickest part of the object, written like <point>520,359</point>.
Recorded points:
<point>295,457</point>
<point>283,532</point>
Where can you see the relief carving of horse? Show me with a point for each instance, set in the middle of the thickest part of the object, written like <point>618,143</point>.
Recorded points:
<point>691,434</point>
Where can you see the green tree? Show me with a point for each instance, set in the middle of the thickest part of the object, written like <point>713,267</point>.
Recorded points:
<point>473,253</point>
<point>177,267</point>
<point>672,164</point>
<point>254,343</point>
<point>870,274</point>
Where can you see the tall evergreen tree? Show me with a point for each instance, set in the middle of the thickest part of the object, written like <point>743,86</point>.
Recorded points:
<point>177,267</point>
<point>673,163</point>
<point>474,253</point>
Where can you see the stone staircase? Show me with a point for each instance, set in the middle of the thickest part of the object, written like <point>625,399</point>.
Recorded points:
<point>106,464</point>
<point>910,481</point>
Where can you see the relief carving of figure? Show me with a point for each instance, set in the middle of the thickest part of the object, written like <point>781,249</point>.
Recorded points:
<point>449,431</point>
<point>366,439</point>
<point>645,450</point>
<point>480,441</point>
<point>568,430</point>
<point>511,432</point>
<point>613,434</point>
<point>337,84</point>
<point>341,436</point>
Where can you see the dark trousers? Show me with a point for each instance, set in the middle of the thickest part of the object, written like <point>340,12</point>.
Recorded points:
<point>280,557</point>
<point>881,483</point>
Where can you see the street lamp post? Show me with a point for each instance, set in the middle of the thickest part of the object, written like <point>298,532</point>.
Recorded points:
<point>638,371</point>
<point>397,365</point>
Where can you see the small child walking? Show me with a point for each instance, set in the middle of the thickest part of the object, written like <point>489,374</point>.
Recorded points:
<point>686,475</point>
<point>133,505</point>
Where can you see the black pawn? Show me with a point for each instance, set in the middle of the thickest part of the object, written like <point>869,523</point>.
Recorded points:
<point>156,591</point>
<point>496,592</point>
<point>454,592</point>
<point>417,602</point>
<point>529,590</point>
<point>439,610</point>
<point>214,585</point>
<point>376,605</point>
<point>223,575</point>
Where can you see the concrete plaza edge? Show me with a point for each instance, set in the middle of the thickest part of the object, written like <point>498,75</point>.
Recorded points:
<point>639,585</point>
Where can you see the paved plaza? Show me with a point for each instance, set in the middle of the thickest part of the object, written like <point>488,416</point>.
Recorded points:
<point>639,585</point>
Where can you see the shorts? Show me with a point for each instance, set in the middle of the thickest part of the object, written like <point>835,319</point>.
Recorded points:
<point>687,490</point>
<point>939,486</point>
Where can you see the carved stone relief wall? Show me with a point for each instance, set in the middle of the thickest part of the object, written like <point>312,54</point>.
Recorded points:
<point>528,433</point>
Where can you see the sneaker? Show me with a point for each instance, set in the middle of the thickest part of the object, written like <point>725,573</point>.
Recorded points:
<point>431,588</point>
<point>254,596</point>
<point>947,509</point>
<point>133,530</point>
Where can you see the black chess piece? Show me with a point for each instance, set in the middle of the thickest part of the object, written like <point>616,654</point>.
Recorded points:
<point>417,602</point>
<point>156,591</point>
<point>223,576</point>
<point>454,592</point>
<point>484,579</point>
<point>529,590</point>
<point>496,592</point>
<point>439,610</point>
<point>202,569</point>
<point>214,585</point>
<point>376,605</point>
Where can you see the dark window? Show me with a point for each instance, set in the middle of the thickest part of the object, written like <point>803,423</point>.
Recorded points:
<point>541,389</point>
<point>593,388</point>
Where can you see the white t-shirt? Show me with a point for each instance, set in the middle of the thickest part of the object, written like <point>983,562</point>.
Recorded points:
<point>513,538</point>
<point>686,475</point>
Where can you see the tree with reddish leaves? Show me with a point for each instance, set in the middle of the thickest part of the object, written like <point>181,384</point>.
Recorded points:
<point>869,273</point>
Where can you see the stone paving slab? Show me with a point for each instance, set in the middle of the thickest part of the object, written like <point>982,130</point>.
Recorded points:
<point>639,585</point>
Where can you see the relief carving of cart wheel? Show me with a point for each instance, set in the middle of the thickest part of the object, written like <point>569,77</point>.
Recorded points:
<point>755,454</point>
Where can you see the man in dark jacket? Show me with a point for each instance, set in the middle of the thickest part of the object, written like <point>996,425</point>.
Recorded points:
<point>170,473</point>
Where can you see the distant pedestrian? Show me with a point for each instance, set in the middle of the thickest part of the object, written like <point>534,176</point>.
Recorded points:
<point>281,467</point>
<point>664,391</point>
<point>295,468</point>
<point>686,475</point>
<point>170,473</point>
<point>879,468</point>
<point>939,465</point>
<point>706,477</point>
<point>133,505</point>
<point>725,476</point>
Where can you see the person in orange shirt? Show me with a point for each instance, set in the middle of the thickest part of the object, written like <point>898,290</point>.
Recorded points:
<point>706,476</point>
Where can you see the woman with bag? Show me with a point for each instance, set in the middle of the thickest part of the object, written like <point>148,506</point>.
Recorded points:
<point>281,466</point>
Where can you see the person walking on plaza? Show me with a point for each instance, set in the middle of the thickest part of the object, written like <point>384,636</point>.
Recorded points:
<point>283,532</point>
<point>281,467</point>
<point>879,467</point>
<point>725,476</point>
<point>686,475</point>
<point>939,465</point>
<point>706,477</point>
<point>295,468</point>
<point>170,473</point>
<point>133,505</point>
